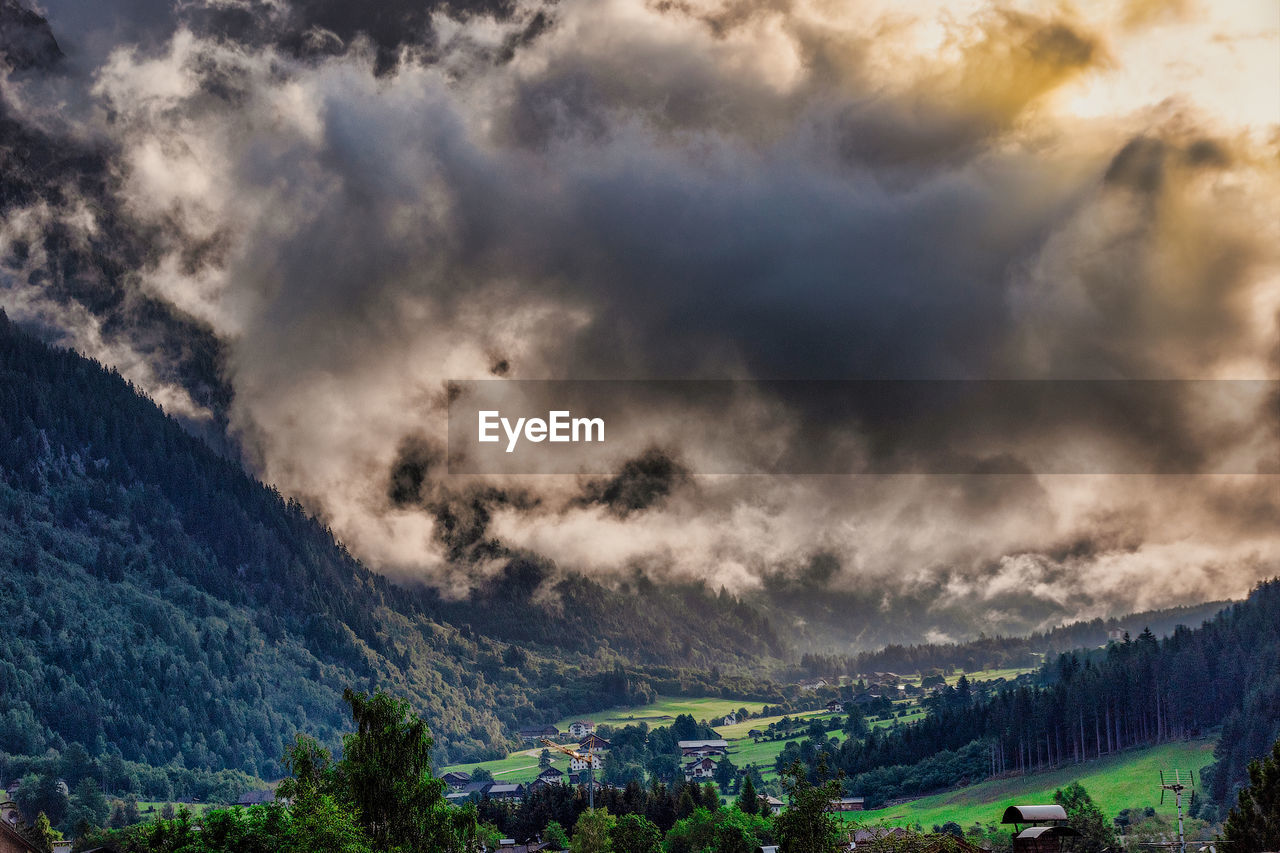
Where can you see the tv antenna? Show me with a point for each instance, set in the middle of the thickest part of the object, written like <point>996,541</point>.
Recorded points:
<point>1177,781</point>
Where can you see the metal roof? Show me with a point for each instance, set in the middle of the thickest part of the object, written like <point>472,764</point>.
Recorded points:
<point>1047,832</point>
<point>1033,814</point>
<point>698,744</point>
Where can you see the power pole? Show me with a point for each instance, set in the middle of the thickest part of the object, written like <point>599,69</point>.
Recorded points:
<point>1178,782</point>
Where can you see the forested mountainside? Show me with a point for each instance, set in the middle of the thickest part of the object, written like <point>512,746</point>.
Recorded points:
<point>1004,652</point>
<point>851,625</point>
<point>161,604</point>
<point>1140,691</point>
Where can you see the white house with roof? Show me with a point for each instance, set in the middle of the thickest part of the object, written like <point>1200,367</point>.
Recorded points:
<point>700,768</point>
<point>581,728</point>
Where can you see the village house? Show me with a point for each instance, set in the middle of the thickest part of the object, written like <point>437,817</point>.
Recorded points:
<point>703,748</point>
<point>552,775</point>
<point>455,779</point>
<point>873,836</point>
<point>580,728</point>
<point>537,733</point>
<point>11,841</point>
<point>509,845</point>
<point>577,765</point>
<point>774,805</point>
<point>847,804</point>
<point>474,790</point>
<point>580,780</point>
<point>505,791</point>
<point>835,707</point>
<point>700,768</point>
<point>592,745</point>
<point>755,733</point>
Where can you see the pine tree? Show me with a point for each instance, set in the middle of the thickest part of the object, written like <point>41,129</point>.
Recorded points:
<point>686,805</point>
<point>1254,824</point>
<point>748,799</point>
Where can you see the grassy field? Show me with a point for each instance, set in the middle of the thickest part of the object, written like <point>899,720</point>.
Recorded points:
<point>764,754</point>
<point>517,767</point>
<point>665,710</point>
<point>1128,780</point>
<point>151,809</point>
<point>1007,673</point>
<point>739,731</point>
<point>522,766</point>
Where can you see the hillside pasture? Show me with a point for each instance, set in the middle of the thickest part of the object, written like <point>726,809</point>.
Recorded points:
<point>1128,780</point>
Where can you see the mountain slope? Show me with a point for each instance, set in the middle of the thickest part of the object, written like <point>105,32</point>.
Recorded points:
<point>163,604</point>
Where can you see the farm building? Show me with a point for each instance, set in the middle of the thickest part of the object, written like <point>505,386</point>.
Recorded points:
<point>455,779</point>
<point>506,791</point>
<point>703,748</point>
<point>594,743</point>
<point>553,775</point>
<point>1044,835</point>
<point>537,733</point>
<point>847,804</point>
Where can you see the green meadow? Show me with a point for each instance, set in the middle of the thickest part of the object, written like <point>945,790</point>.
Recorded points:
<point>665,710</point>
<point>1128,780</point>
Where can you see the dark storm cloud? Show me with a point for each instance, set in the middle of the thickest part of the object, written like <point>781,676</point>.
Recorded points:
<point>462,515</point>
<point>52,179</point>
<point>26,40</point>
<point>334,209</point>
<point>643,482</point>
<point>303,28</point>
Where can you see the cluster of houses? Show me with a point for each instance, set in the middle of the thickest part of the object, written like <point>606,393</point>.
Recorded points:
<point>576,730</point>
<point>699,758</point>
<point>590,748</point>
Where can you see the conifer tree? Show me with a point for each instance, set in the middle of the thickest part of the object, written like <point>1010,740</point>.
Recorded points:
<point>748,799</point>
<point>1254,823</point>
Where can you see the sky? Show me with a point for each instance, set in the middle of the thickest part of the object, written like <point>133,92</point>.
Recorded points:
<point>297,222</point>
